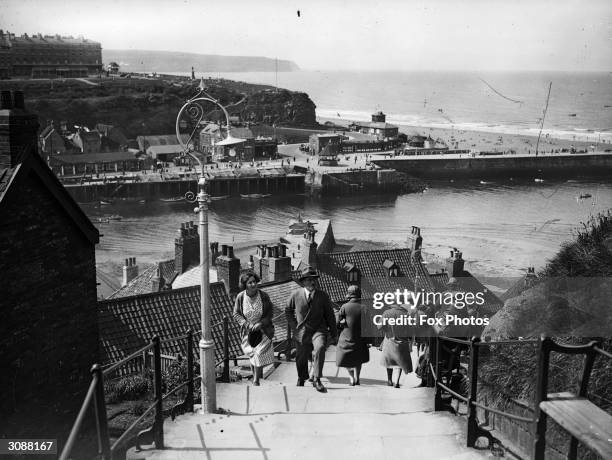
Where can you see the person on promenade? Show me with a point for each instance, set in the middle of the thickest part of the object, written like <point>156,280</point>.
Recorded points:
<point>310,314</point>
<point>397,344</point>
<point>253,312</point>
<point>352,349</point>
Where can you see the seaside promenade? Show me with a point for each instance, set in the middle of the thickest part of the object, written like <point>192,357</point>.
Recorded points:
<point>279,421</point>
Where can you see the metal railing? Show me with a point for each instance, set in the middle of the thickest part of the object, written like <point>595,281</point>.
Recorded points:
<point>155,433</point>
<point>451,359</point>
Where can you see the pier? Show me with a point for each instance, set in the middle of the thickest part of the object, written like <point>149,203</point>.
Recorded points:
<point>221,183</point>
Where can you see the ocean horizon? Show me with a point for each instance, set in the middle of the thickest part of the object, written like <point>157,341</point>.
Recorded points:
<point>579,108</point>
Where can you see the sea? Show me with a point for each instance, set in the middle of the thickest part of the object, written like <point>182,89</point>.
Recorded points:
<point>501,227</point>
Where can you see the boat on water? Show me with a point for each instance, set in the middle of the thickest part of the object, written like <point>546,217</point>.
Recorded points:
<point>538,180</point>
<point>220,197</point>
<point>255,195</point>
<point>105,202</point>
<point>483,166</point>
<point>584,196</point>
<point>107,219</point>
<point>174,199</point>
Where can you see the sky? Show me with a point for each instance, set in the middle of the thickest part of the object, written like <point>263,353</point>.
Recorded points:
<point>513,35</point>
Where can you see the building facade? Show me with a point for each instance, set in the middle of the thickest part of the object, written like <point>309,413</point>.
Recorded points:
<point>49,331</point>
<point>48,56</point>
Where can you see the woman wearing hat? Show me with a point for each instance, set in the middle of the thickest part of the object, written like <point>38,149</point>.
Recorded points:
<point>352,349</point>
<point>253,313</point>
<point>397,345</point>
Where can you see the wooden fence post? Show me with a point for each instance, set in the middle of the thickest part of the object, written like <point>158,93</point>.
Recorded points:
<point>101,421</point>
<point>541,395</point>
<point>472,422</point>
<point>159,410</point>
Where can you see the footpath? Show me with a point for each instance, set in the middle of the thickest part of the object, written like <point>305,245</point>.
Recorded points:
<point>280,421</point>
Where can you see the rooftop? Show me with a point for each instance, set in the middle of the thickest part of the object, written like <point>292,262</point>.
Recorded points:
<point>129,323</point>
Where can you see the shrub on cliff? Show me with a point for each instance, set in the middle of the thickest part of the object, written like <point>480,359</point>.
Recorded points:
<point>509,371</point>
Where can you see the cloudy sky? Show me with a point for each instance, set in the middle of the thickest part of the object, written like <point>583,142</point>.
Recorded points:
<point>342,34</point>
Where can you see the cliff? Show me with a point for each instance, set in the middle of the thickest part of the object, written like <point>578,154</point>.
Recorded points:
<point>149,106</point>
<point>171,61</point>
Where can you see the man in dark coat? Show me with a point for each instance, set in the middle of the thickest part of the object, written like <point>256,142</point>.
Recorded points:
<point>310,314</point>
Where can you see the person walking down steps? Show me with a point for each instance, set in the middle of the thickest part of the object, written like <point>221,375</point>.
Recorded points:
<point>310,314</point>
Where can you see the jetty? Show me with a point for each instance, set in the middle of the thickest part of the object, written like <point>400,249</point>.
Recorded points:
<point>228,182</point>
<point>481,165</point>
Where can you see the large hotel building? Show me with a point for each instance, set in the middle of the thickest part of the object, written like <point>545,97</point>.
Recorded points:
<point>48,56</point>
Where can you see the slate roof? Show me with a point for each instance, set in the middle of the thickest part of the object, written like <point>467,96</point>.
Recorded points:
<point>157,149</point>
<point>102,157</point>
<point>144,142</point>
<point>141,284</point>
<point>6,175</point>
<point>373,268</point>
<point>127,324</point>
<point>374,276</point>
<point>192,276</point>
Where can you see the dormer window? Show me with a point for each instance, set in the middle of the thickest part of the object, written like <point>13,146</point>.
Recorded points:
<point>352,272</point>
<point>391,267</point>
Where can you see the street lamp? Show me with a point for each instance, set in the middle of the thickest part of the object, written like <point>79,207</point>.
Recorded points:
<point>206,344</point>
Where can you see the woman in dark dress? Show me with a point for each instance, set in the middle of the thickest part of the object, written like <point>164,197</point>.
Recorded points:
<point>397,345</point>
<point>352,349</point>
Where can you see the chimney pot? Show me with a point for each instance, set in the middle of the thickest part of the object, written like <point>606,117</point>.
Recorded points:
<point>230,252</point>
<point>224,249</point>
<point>126,262</point>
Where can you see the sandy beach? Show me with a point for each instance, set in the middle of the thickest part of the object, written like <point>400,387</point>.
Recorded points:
<point>493,142</point>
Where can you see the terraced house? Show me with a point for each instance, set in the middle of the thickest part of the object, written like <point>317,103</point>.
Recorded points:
<point>48,56</point>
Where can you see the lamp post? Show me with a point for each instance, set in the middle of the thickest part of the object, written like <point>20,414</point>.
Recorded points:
<point>206,344</point>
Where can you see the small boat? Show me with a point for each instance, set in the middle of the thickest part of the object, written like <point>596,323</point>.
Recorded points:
<point>584,196</point>
<point>114,217</point>
<point>571,115</point>
<point>221,197</point>
<point>538,180</point>
<point>142,201</point>
<point>105,203</point>
<point>173,199</point>
<point>255,195</point>
<point>484,182</point>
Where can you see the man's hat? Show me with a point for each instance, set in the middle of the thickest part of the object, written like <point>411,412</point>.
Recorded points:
<point>308,272</point>
<point>353,292</point>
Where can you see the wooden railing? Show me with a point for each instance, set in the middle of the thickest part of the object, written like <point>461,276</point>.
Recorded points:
<point>449,358</point>
<point>155,433</point>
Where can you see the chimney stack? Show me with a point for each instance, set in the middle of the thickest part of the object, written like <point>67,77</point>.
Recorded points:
<point>130,271</point>
<point>309,253</point>
<point>228,270</point>
<point>279,266</point>
<point>455,264</point>
<point>157,282</point>
<point>415,240</point>
<point>186,247</point>
<point>18,129</point>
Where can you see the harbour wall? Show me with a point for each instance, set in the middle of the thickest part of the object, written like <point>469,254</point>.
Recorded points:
<point>548,166</point>
<point>365,181</point>
<point>217,186</point>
